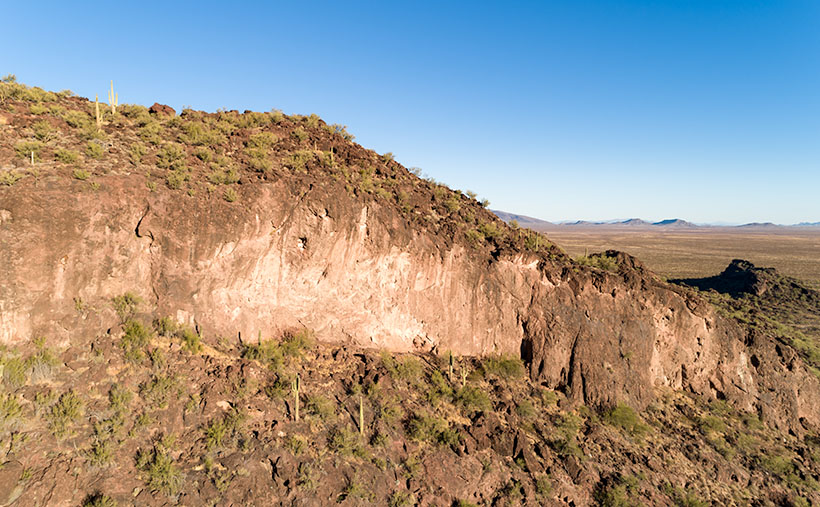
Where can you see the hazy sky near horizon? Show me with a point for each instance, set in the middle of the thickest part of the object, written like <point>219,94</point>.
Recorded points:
<point>703,110</point>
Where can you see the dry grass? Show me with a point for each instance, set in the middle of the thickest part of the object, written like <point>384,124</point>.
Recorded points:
<point>698,253</point>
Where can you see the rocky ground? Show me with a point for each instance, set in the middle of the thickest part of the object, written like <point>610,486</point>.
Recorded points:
<point>146,414</point>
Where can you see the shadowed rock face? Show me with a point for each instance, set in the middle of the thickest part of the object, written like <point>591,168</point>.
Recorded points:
<point>357,273</point>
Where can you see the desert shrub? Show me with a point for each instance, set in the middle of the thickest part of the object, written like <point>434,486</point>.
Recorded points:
<point>599,262</point>
<point>299,134</point>
<point>711,424</point>
<point>299,159</point>
<point>159,389</point>
<point>622,416</point>
<point>340,130</point>
<point>76,119</point>
<point>161,473</point>
<point>230,195</point>
<point>24,149</point>
<point>439,388</point>
<point>263,140</point>
<point>347,442</point>
<point>227,426</point>
<point>126,305</point>
<point>81,174</point>
<point>171,156</point>
<point>198,134</point>
<point>503,367</point>
<point>99,500</point>
<point>41,364</point>
<point>473,400</point>
<point>176,178</point>
<point>525,410</point>
<point>564,441</point>
<point>64,413</point>
<point>219,176</point>
<point>135,153</point>
<point>490,230</point>
<point>9,178</point>
<point>434,430</point>
<point>119,398</point>
<point>14,372</point>
<point>37,109</point>
<point>321,406</point>
<point>42,130</point>
<point>166,326</point>
<point>134,340</point>
<point>151,132</point>
<point>190,340</point>
<point>93,150</point>
<point>280,387</point>
<point>66,156</point>
<point>543,487</point>
<point>401,499</point>
<point>10,411</point>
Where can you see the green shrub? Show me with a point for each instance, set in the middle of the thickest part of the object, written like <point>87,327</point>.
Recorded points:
<point>347,442</point>
<point>190,340</point>
<point>473,400</point>
<point>230,195</point>
<point>227,426</point>
<point>119,398</point>
<point>298,160</point>
<point>321,406</point>
<point>198,134</point>
<point>81,174</point>
<point>401,499</point>
<point>263,140</point>
<point>135,153</point>
<point>9,178</point>
<point>14,372</point>
<point>429,428</point>
<point>24,149</point>
<point>219,176</point>
<point>161,473</point>
<point>134,340</point>
<point>622,416</point>
<point>171,156</point>
<point>99,500</point>
<point>166,326</point>
<point>64,413</point>
<point>42,130</point>
<point>599,261</point>
<point>10,411</point>
<point>526,410</point>
<point>503,367</point>
<point>37,109</point>
<point>93,150</point>
<point>439,388</point>
<point>126,305</point>
<point>66,156</point>
<point>160,389</point>
<point>564,441</point>
<point>299,134</point>
<point>76,119</point>
<point>151,132</point>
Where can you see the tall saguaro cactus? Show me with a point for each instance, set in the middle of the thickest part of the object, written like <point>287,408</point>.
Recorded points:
<point>295,388</point>
<point>97,112</point>
<point>113,99</point>
<point>361,415</point>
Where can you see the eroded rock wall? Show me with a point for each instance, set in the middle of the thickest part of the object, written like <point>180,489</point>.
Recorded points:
<point>359,273</point>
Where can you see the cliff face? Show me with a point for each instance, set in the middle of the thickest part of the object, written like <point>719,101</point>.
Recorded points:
<point>356,273</point>
<point>356,248</point>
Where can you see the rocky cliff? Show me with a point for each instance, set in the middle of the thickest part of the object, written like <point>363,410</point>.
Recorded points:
<point>252,224</point>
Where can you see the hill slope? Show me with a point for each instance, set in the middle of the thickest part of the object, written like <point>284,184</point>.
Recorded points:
<point>262,225</point>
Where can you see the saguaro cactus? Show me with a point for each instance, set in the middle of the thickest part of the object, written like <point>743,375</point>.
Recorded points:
<point>295,388</point>
<point>113,99</point>
<point>97,112</point>
<point>361,415</point>
<point>452,363</point>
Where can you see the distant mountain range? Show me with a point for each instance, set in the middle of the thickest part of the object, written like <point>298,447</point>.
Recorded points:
<point>671,223</point>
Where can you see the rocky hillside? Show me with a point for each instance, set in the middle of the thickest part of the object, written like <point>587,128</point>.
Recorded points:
<point>238,228</point>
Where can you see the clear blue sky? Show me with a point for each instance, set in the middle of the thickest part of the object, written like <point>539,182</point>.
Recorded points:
<point>704,110</point>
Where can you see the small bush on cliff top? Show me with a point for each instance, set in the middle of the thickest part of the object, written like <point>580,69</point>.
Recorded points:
<point>598,261</point>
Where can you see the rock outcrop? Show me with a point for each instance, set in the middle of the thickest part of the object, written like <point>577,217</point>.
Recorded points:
<point>330,236</point>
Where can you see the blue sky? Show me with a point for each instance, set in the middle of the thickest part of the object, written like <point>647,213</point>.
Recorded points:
<point>704,110</point>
